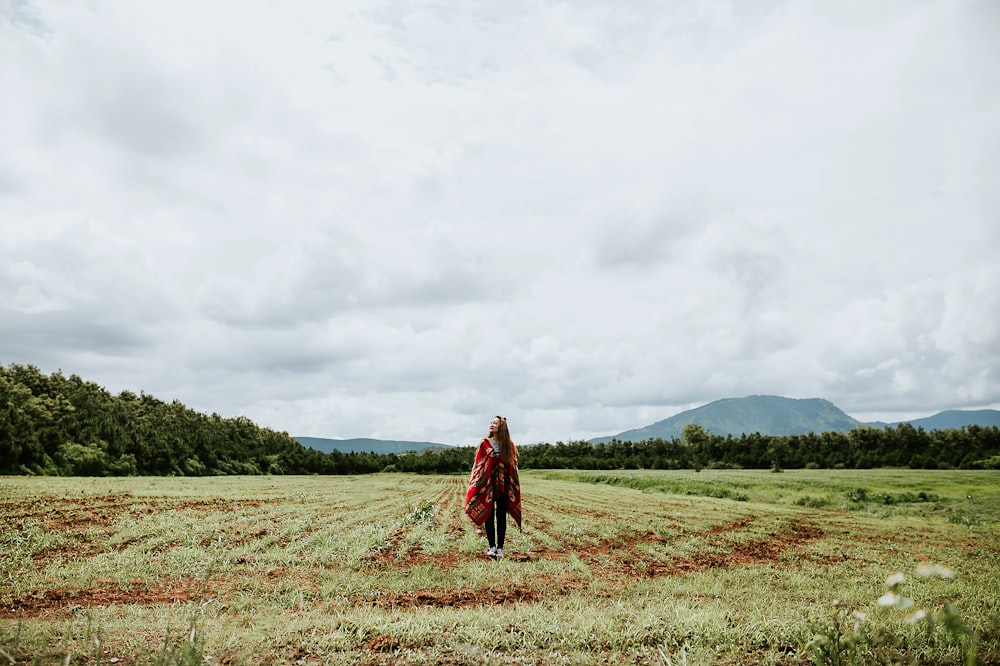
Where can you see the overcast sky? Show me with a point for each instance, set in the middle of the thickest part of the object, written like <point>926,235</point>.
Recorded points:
<point>397,219</point>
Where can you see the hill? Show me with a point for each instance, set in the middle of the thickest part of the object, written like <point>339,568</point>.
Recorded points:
<point>366,445</point>
<point>774,415</point>
<point>766,414</point>
<point>957,418</point>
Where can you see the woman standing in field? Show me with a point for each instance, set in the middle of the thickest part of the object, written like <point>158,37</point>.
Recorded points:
<point>494,487</point>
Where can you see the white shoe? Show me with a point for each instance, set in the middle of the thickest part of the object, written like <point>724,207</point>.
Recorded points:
<point>492,552</point>
<point>499,553</point>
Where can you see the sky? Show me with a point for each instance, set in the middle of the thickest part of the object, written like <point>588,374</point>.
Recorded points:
<point>398,219</point>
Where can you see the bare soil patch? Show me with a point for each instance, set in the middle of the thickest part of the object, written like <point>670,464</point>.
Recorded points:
<point>492,596</point>
<point>53,601</point>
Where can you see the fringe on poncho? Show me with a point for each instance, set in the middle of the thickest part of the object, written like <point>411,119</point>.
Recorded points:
<point>490,476</point>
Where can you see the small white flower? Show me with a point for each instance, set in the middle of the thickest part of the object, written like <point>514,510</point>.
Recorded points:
<point>895,579</point>
<point>858,615</point>
<point>888,599</point>
<point>917,617</point>
<point>929,570</point>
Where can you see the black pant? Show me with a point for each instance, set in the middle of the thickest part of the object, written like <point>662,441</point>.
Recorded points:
<point>500,515</point>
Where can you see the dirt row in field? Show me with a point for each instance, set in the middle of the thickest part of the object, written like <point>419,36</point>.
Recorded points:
<point>616,561</point>
<point>65,514</point>
<point>611,560</point>
<point>40,603</point>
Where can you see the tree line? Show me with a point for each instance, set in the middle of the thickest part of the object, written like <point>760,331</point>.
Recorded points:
<point>59,425</point>
<point>970,447</point>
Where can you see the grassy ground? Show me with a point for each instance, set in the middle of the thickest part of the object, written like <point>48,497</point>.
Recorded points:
<point>716,567</point>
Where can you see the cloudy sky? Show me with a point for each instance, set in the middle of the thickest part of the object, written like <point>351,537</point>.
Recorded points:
<point>396,219</point>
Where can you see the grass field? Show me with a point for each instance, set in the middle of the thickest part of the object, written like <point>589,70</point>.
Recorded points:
<point>716,567</point>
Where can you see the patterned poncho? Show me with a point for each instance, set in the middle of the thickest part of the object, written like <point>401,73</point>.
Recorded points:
<point>489,477</point>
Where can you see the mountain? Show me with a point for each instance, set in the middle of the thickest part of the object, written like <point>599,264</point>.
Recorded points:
<point>766,414</point>
<point>957,418</point>
<point>366,445</point>
<point>774,415</point>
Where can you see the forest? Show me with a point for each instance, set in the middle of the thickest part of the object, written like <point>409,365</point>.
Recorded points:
<point>64,426</point>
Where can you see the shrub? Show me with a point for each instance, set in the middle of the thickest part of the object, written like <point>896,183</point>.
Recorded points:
<point>857,495</point>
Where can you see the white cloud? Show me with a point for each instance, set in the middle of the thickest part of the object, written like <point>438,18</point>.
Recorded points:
<point>397,219</point>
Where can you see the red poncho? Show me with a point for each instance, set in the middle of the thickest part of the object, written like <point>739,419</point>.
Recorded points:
<point>490,476</point>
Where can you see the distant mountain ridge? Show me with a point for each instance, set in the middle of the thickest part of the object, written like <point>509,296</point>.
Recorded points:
<point>776,415</point>
<point>956,418</point>
<point>764,414</point>
<point>366,445</point>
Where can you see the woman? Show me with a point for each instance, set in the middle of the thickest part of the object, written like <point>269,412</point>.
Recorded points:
<point>494,487</point>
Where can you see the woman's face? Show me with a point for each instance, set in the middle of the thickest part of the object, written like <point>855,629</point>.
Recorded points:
<point>494,424</point>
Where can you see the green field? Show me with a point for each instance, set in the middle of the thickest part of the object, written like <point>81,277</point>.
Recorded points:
<point>716,567</point>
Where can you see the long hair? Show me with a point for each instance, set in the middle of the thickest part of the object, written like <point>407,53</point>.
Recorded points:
<point>508,452</point>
